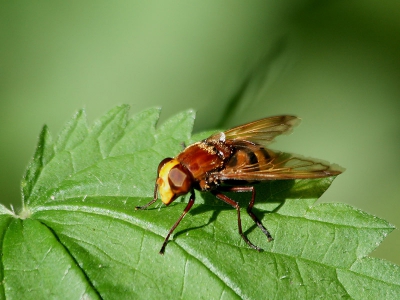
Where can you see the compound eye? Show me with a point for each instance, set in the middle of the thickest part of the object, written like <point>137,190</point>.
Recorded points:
<point>179,179</point>
<point>162,163</point>
<point>176,177</point>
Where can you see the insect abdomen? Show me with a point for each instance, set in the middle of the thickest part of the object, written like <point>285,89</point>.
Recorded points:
<point>248,157</point>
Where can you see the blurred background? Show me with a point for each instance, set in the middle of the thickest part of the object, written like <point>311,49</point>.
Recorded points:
<point>335,64</point>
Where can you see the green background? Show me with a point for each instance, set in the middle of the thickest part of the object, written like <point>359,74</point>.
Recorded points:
<point>336,65</point>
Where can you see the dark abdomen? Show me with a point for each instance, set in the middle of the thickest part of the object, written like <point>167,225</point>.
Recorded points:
<point>248,156</point>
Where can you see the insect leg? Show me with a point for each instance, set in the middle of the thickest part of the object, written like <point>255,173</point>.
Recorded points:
<point>234,204</point>
<point>250,207</point>
<point>151,202</point>
<point>187,208</point>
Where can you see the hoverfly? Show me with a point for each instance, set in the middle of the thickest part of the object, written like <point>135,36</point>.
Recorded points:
<point>232,161</point>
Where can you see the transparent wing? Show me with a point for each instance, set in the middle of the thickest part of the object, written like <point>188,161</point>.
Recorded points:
<point>261,132</point>
<point>280,165</point>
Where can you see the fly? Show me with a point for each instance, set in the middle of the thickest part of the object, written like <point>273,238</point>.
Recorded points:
<point>233,161</point>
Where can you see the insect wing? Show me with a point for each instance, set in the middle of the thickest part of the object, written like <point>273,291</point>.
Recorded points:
<point>280,165</point>
<point>261,132</point>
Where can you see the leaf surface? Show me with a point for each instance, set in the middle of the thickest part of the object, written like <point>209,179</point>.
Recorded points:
<point>79,236</point>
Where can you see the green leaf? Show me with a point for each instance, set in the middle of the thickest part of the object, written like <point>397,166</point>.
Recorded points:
<point>78,234</point>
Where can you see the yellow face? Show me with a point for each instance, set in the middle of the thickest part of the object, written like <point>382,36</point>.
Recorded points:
<point>166,194</point>
<point>173,181</point>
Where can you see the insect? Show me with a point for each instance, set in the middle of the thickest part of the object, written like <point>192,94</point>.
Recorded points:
<point>233,161</point>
